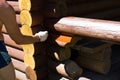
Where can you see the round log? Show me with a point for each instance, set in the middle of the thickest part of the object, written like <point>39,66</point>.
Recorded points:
<point>94,65</point>
<point>59,53</point>
<point>93,28</point>
<point>67,68</point>
<point>30,73</point>
<point>29,48</point>
<point>13,51</point>
<point>25,18</point>
<point>24,5</point>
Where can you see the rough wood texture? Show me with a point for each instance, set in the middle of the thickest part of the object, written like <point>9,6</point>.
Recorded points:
<point>95,65</point>
<point>24,5</point>
<point>20,75</point>
<point>19,65</point>
<point>25,18</point>
<point>101,29</point>
<point>52,10</point>
<point>91,46</point>
<point>35,6</point>
<point>26,22</point>
<point>10,42</point>
<point>29,48</point>
<point>30,73</point>
<point>36,18</point>
<point>15,53</point>
<point>66,68</point>
<point>59,53</point>
<point>95,50</point>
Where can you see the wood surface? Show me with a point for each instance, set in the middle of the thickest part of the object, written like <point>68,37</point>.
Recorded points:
<point>92,28</point>
<point>66,68</point>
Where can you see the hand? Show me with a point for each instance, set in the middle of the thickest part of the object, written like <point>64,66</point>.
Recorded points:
<point>42,35</point>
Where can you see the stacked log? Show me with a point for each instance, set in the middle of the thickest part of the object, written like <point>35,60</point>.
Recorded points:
<point>92,28</point>
<point>78,7</point>
<point>66,68</point>
<point>56,9</point>
<point>100,61</point>
<point>59,57</point>
<point>17,54</point>
<point>26,21</point>
<point>94,55</point>
<point>35,6</point>
<point>30,20</point>
<point>46,16</point>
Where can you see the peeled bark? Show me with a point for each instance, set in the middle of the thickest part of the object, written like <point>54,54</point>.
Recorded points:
<point>93,28</point>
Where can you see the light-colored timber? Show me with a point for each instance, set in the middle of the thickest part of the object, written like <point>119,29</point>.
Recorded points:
<point>15,53</point>
<point>28,48</point>
<point>25,18</point>
<point>24,5</point>
<point>19,65</point>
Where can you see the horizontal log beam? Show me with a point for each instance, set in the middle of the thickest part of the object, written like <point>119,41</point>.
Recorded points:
<point>14,5</point>
<point>10,42</point>
<point>35,6</point>
<point>19,65</point>
<point>93,28</point>
<point>20,75</point>
<point>15,53</point>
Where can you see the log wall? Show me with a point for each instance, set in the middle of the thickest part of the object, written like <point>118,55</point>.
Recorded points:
<point>57,49</point>
<point>16,51</point>
<point>56,10</point>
